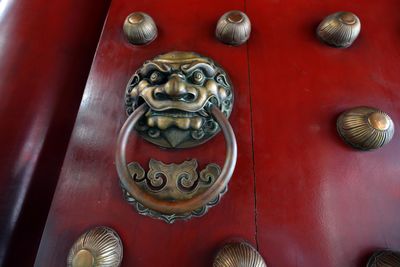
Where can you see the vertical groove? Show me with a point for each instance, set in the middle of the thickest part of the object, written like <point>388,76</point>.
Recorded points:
<point>252,139</point>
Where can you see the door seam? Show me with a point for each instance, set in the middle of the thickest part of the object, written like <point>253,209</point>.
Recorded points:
<point>252,138</point>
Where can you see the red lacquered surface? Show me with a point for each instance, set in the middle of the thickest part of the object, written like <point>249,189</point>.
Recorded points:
<point>319,202</point>
<point>46,49</point>
<point>88,193</point>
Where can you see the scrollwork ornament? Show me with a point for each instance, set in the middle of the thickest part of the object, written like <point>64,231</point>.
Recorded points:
<point>171,218</point>
<point>137,172</point>
<point>210,173</point>
<point>173,182</point>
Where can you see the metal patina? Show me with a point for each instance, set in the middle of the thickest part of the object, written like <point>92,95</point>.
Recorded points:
<point>100,246</point>
<point>365,128</point>
<point>238,254</point>
<point>177,100</point>
<point>140,28</point>
<point>179,87</point>
<point>174,191</point>
<point>340,29</point>
<point>233,28</point>
<point>175,182</point>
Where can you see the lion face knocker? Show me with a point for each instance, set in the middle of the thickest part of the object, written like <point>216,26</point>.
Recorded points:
<point>176,100</point>
<point>178,87</point>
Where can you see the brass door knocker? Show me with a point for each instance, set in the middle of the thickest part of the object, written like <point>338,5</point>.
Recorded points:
<point>177,100</point>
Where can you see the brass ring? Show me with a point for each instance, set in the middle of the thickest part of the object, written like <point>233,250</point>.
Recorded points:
<point>184,206</point>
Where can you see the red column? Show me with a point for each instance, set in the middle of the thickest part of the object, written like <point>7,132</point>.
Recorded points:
<point>46,49</point>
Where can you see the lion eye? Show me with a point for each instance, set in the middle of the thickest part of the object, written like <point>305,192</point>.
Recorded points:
<point>198,77</point>
<point>155,77</point>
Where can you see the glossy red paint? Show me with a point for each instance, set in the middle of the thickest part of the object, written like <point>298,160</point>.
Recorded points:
<point>46,49</point>
<point>319,202</point>
<point>88,193</point>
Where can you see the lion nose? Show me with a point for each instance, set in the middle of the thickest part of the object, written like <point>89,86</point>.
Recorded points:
<point>175,87</point>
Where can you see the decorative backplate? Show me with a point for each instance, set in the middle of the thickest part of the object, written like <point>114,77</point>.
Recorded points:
<point>100,246</point>
<point>238,254</point>
<point>179,87</point>
<point>173,182</point>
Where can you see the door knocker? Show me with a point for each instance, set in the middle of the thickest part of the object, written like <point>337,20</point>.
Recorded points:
<point>177,100</point>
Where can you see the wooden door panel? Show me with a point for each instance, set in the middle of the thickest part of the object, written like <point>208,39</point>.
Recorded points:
<point>88,193</point>
<point>319,202</point>
<point>314,201</point>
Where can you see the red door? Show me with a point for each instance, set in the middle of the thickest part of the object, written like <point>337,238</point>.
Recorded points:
<point>299,193</point>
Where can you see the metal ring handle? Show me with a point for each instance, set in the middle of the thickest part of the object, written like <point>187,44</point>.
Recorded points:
<point>183,206</point>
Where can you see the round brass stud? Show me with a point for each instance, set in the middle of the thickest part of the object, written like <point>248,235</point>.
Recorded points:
<point>140,28</point>
<point>238,254</point>
<point>340,29</point>
<point>365,128</point>
<point>384,258</point>
<point>233,28</point>
<point>100,246</point>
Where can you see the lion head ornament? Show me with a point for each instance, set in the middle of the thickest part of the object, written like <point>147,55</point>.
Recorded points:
<point>179,88</point>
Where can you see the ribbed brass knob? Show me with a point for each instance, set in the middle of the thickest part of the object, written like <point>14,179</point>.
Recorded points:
<point>238,254</point>
<point>384,258</point>
<point>340,29</point>
<point>140,28</point>
<point>365,128</point>
<point>100,246</point>
<point>233,28</point>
